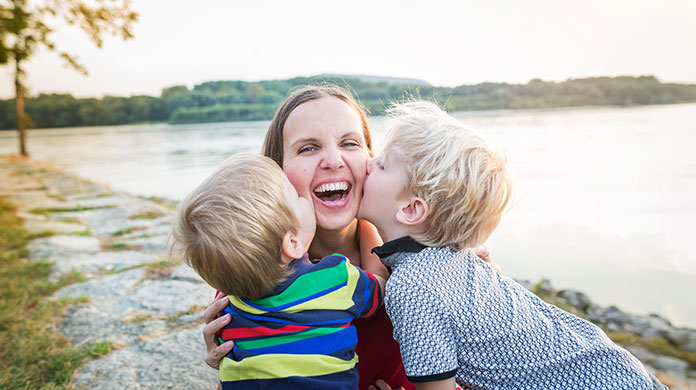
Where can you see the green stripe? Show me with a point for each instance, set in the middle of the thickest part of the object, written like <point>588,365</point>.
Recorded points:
<point>306,285</point>
<point>277,340</point>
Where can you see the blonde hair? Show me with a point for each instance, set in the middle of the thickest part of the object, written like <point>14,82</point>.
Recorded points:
<point>273,143</point>
<point>230,229</point>
<point>463,181</point>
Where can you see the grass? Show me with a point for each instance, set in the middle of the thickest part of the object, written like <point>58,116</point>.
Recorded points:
<point>151,214</point>
<point>655,345</point>
<point>128,230</point>
<point>33,355</point>
<point>53,210</point>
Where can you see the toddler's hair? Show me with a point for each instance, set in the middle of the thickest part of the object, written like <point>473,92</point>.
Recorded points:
<point>230,229</point>
<point>463,181</point>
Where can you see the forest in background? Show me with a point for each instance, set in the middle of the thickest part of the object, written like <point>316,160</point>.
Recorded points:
<point>220,101</point>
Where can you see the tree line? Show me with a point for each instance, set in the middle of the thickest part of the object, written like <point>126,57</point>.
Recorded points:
<point>218,101</point>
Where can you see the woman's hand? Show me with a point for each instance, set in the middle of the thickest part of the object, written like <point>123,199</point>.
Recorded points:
<point>482,252</point>
<point>214,323</point>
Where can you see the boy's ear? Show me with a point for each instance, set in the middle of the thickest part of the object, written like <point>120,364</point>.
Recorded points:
<point>413,213</point>
<point>292,248</point>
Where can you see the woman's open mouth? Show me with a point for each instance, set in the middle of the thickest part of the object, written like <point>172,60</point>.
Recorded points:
<point>332,192</point>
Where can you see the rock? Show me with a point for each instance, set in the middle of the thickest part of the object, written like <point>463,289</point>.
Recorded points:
<point>95,322</point>
<point>175,361</point>
<point>107,287</point>
<point>677,336</point>
<point>544,287</point>
<point>58,248</point>
<point>526,284</point>
<point>576,298</point>
<point>165,297</point>
<point>150,244</point>
<point>37,226</point>
<point>668,363</point>
<point>651,326</point>
<point>100,262</point>
<point>615,316</point>
<point>186,273</point>
<point>642,354</point>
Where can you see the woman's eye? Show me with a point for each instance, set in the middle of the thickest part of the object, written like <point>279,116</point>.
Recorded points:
<point>306,149</point>
<point>350,143</point>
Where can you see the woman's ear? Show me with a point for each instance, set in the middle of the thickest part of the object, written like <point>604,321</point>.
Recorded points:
<point>292,248</point>
<point>413,213</point>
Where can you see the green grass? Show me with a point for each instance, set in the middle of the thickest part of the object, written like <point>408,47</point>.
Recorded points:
<point>53,210</point>
<point>127,230</point>
<point>152,214</point>
<point>33,355</point>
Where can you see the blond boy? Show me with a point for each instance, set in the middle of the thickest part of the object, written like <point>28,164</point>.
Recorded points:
<point>435,190</point>
<point>246,232</point>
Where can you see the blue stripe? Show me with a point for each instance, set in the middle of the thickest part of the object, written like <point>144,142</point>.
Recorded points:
<point>366,291</point>
<point>297,302</point>
<point>319,345</point>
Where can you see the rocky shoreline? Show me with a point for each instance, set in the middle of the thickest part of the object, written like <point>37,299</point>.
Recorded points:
<point>149,307</point>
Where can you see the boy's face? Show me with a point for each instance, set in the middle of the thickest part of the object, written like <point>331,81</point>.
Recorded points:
<point>304,212</point>
<point>386,178</point>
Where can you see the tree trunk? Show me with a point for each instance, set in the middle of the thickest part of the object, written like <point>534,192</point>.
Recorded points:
<point>19,108</point>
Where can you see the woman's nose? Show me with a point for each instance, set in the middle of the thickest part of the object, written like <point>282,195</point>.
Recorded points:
<point>332,159</point>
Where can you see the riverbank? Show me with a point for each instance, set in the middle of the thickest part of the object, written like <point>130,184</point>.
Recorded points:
<point>125,293</point>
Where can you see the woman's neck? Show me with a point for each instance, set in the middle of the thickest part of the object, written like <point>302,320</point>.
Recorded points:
<point>343,241</point>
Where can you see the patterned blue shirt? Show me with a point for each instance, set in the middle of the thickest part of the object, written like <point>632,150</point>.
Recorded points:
<point>454,315</point>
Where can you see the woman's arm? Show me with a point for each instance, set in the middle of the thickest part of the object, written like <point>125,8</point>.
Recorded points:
<point>213,324</point>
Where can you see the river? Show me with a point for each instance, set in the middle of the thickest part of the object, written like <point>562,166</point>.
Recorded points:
<point>605,197</point>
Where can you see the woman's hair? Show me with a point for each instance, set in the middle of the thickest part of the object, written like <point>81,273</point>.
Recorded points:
<point>231,227</point>
<point>273,144</point>
<point>463,181</point>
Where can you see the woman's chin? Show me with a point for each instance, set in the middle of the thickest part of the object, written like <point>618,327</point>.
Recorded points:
<point>335,218</point>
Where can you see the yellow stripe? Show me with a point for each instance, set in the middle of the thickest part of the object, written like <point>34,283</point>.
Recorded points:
<point>274,366</point>
<point>340,299</point>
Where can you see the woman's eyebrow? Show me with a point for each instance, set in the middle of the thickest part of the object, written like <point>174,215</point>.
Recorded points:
<point>303,140</point>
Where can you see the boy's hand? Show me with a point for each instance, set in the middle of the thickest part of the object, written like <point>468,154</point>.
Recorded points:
<point>213,324</point>
<point>382,385</point>
<point>482,252</point>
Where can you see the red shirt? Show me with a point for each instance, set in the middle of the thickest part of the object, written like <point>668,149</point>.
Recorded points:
<point>378,353</point>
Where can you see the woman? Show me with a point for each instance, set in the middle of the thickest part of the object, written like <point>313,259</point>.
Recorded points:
<point>320,137</point>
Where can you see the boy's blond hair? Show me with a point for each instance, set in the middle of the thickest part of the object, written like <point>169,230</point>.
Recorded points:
<point>464,182</point>
<point>230,229</point>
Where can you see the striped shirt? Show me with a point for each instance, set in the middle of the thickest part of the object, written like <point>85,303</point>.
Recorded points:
<point>300,336</point>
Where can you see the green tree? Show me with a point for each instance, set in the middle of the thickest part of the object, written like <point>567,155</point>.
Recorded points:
<point>26,25</point>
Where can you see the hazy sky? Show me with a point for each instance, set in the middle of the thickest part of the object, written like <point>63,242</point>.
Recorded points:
<point>443,42</point>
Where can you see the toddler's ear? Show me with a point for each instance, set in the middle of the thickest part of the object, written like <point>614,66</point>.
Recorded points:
<point>413,213</point>
<point>292,248</point>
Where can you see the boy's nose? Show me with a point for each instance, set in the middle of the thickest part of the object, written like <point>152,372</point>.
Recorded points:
<point>370,162</point>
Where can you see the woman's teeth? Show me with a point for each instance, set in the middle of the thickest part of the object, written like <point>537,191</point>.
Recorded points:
<point>332,192</point>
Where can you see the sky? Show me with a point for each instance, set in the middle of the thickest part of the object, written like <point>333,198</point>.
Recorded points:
<point>446,43</point>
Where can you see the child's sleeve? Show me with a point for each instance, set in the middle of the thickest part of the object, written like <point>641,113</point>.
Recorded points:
<point>367,295</point>
<point>422,327</point>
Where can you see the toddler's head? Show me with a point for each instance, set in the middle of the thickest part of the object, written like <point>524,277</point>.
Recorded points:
<point>242,225</point>
<point>447,186</point>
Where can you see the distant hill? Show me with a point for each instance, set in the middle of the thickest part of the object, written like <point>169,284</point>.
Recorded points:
<point>375,79</point>
<point>237,100</point>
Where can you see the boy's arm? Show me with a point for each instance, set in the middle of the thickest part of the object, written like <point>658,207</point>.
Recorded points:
<point>445,384</point>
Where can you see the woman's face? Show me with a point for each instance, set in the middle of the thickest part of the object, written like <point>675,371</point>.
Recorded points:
<point>324,156</point>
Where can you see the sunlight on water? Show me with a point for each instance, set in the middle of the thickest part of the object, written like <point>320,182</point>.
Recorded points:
<point>604,196</point>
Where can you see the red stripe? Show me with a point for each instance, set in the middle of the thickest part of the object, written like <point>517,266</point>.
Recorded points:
<point>375,296</point>
<point>242,333</point>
